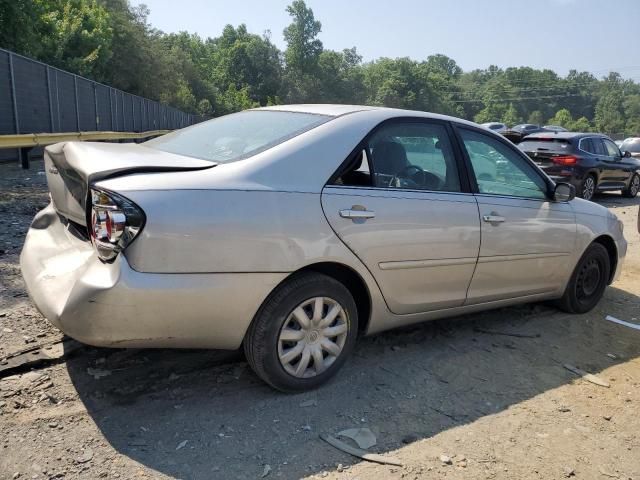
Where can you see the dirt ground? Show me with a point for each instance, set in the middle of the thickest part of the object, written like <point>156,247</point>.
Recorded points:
<point>447,399</point>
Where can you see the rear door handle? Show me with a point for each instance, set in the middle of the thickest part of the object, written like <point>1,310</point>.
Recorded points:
<point>493,218</point>
<point>357,214</point>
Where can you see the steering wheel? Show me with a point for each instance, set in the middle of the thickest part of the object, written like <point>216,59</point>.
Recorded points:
<point>407,178</point>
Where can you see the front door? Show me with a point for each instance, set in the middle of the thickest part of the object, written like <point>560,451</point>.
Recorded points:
<point>615,165</point>
<point>527,239</point>
<point>399,206</point>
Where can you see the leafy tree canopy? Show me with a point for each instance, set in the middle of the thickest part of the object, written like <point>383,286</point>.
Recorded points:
<point>111,41</point>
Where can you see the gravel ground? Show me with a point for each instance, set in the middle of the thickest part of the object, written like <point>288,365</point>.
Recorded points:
<point>448,399</point>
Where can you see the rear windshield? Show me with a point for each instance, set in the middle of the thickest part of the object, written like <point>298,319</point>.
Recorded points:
<point>632,145</point>
<point>237,136</point>
<point>544,144</point>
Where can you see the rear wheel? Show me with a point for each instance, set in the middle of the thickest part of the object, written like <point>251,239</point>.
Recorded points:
<point>634,187</point>
<point>303,333</point>
<point>588,187</point>
<point>588,281</point>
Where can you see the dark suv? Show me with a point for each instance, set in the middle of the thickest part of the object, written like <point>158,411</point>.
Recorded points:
<point>590,161</point>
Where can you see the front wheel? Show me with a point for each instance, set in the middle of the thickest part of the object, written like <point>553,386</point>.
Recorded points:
<point>634,187</point>
<point>588,281</point>
<point>303,333</point>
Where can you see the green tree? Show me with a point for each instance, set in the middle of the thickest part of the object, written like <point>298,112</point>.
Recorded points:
<point>609,116</point>
<point>204,107</point>
<point>536,117</point>
<point>302,54</point>
<point>77,36</point>
<point>21,26</point>
<point>303,46</point>
<point>562,118</point>
<point>631,106</point>
<point>242,59</point>
<point>340,76</point>
<point>580,125</point>
<point>400,83</point>
<point>511,116</point>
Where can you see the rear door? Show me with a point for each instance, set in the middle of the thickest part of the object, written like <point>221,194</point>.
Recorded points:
<point>527,239</point>
<point>400,205</point>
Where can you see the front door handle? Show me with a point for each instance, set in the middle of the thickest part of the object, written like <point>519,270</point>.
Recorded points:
<point>493,218</point>
<point>356,214</point>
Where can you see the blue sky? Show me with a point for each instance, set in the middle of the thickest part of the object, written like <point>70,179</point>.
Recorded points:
<point>593,35</point>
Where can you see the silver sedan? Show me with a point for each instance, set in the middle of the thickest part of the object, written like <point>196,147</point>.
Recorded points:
<point>292,230</point>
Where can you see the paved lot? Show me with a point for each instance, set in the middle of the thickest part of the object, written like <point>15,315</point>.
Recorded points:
<point>499,406</point>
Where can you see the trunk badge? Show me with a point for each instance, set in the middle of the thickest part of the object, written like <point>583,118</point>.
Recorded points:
<point>53,170</point>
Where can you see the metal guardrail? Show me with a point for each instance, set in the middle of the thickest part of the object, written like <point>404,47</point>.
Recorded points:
<point>43,139</point>
<point>26,141</point>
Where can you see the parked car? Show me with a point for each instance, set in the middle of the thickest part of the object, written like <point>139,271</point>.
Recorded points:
<point>589,161</point>
<point>527,129</point>
<point>496,126</point>
<point>631,145</point>
<point>291,230</point>
<point>554,128</point>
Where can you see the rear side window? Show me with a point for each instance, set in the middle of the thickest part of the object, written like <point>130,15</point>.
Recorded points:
<point>237,136</point>
<point>587,145</point>
<point>414,155</point>
<point>410,156</point>
<point>598,147</point>
<point>559,145</point>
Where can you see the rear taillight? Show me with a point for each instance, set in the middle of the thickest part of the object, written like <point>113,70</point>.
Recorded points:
<point>114,223</point>
<point>566,160</point>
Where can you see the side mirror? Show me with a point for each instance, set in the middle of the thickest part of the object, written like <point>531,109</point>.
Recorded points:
<point>626,154</point>
<point>564,192</point>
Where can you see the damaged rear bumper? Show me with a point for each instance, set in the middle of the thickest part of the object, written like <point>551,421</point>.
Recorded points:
<point>112,305</point>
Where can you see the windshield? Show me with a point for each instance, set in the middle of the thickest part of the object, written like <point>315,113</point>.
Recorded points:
<point>632,145</point>
<point>237,136</point>
<point>551,144</point>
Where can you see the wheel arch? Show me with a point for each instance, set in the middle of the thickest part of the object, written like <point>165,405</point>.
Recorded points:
<point>352,280</point>
<point>344,274</point>
<point>609,243</point>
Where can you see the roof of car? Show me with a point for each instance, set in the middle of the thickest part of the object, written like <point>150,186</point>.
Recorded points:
<point>338,110</point>
<point>320,108</point>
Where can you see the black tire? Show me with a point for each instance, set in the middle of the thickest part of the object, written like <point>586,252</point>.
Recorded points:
<point>261,340</point>
<point>588,187</point>
<point>588,281</point>
<point>634,187</point>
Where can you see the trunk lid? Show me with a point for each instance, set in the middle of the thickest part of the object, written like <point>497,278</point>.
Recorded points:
<point>71,167</point>
<point>542,151</point>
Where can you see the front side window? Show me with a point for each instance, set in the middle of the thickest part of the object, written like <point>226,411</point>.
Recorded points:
<point>237,136</point>
<point>499,170</point>
<point>612,149</point>
<point>413,155</point>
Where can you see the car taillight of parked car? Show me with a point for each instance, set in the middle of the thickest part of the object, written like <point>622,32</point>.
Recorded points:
<point>565,160</point>
<point>114,223</point>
